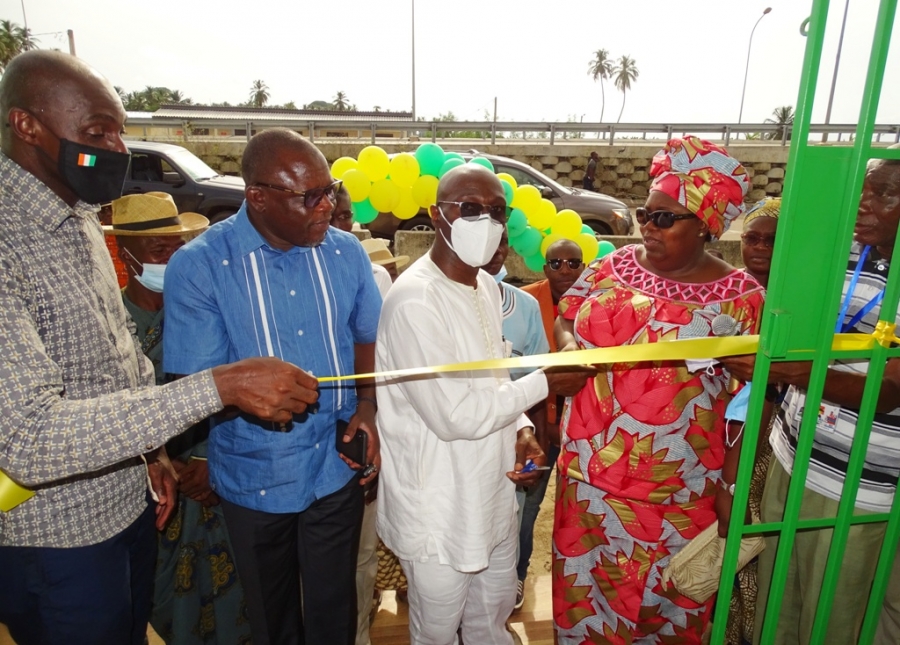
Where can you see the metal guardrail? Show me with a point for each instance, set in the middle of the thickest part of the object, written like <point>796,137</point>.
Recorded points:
<point>534,131</point>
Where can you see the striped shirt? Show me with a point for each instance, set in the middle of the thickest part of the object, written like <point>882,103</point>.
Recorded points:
<point>230,296</point>
<point>836,424</point>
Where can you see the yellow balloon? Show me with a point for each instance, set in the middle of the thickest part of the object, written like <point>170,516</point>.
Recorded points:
<point>384,196</point>
<point>589,246</point>
<point>567,224</point>
<point>374,162</point>
<point>509,178</point>
<point>424,190</point>
<point>342,165</point>
<point>407,207</point>
<point>357,184</point>
<point>404,170</point>
<point>542,215</point>
<point>526,198</point>
<point>550,239</point>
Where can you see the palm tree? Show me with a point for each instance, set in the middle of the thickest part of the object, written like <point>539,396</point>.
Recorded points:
<point>13,41</point>
<point>783,117</point>
<point>601,68</point>
<point>340,102</point>
<point>259,93</point>
<point>626,72</point>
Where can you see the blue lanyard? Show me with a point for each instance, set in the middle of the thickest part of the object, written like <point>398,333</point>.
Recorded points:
<point>841,326</point>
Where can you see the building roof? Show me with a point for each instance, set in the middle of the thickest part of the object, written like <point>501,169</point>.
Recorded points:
<point>244,114</point>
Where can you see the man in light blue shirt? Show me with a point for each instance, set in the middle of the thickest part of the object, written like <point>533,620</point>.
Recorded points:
<point>276,280</point>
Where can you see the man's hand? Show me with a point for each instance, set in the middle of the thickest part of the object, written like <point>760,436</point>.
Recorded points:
<point>568,380</point>
<point>527,447</point>
<point>164,482</point>
<point>364,419</point>
<point>267,388</point>
<point>790,372</point>
<point>194,482</point>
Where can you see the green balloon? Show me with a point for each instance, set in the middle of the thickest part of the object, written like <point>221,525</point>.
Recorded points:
<point>606,247</point>
<point>449,165</point>
<point>535,262</point>
<point>528,242</point>
<point>430,157</point>
<point>517,223</point>
<point>481,161</point>
<point>508,190</point>
<point>453,155</point>
<point>363,212</point>
<point>587,229</point>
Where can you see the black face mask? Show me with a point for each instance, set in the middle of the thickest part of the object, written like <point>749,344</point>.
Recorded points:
<point>95,175</point>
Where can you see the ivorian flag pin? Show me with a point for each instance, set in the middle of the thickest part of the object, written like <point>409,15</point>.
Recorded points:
<point>86,160</point>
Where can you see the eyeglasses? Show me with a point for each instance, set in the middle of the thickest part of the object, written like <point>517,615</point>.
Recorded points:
<point>311,197</point>
<point>474,210</point>
<point>556,264</point>
<point>660,219</point>
<point>755,239</point>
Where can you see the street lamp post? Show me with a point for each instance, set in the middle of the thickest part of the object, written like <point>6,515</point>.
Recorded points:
<point>413,60</point>
<point>747,67</point>
<point>837,64</point>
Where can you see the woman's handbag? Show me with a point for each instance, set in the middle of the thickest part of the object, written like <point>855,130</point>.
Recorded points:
<point>695,570</point>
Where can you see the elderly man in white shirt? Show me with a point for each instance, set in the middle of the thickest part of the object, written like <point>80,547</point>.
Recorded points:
<point>453,445</point>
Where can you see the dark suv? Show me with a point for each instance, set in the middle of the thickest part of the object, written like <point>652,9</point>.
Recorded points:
<point>605,214</point>
<point>193,185</point>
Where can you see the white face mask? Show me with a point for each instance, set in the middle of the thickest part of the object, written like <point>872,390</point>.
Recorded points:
<point>474,241</point>
<point>152,275</point>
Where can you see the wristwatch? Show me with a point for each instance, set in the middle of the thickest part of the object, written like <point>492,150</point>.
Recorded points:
<point>728,488</point>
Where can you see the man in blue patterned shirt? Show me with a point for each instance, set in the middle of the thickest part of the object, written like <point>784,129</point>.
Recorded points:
<point>277,280</point>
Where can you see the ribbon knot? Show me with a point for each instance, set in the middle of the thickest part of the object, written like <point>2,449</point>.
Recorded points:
<point>884,333</point>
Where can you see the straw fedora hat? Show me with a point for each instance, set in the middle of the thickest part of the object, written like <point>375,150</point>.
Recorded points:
<point>379,253</point>
<point>152,213</point>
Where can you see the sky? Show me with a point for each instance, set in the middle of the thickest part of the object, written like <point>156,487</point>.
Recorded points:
<point>532,55</point>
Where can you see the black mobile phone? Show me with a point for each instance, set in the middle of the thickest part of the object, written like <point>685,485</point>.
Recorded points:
<point>354,450</point>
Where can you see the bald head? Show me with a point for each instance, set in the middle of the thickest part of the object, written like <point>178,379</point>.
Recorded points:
<point>47,84</point>
<point>563,248</point>
<point>564,265</point>
<point>464,180</point>
<point>266,151</point>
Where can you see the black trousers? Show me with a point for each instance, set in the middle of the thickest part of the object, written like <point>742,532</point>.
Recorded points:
<point>278,554</point>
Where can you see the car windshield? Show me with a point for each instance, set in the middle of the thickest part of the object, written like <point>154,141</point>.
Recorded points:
<point>192,165</point>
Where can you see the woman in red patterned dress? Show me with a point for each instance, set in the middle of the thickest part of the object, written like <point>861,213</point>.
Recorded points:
<point>643,443</point>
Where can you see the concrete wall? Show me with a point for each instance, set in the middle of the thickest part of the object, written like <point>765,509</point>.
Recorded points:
<point>622,171</point>
<point>416,243</point>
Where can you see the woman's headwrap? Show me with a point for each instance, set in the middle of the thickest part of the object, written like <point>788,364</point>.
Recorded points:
<point>767,207</point>
<point>703,178</point>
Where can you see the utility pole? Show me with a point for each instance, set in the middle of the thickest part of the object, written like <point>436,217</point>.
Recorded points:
<point>71,35</point>
<point>413,60</point>
<point>25,22</point>
<point>495,109</point>
<point>837,63</point>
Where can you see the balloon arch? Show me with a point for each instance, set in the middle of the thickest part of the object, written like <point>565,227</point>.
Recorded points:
<point>406,183</point>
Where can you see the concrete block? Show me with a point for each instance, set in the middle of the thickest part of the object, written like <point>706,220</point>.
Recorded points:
<point>579,162</point>
<point>625,168</point>
<point>576,175</point>
<point>639,190</point>
<point>775,173</point>
<point>609,189</point>
<point>756,195</point>
<point>760,180</point>
<point>641,162</point>
<point>565,181</point>
<point>609,161</point>
<point>563,167</point>
<point>537,165</point>
<point>774,189</point>
<point>552,174</point>
<point>549,161</point>
<point>761,166</point>
<point>623,184</point>
<point>640,175</point>
<point>607,176</point>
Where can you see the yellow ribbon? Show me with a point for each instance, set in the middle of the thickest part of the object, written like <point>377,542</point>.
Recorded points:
<point>12,494</point>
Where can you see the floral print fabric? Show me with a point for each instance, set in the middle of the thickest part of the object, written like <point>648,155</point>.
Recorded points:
<point>643,448</point>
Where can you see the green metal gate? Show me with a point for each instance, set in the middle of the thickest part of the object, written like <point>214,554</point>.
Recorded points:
<point>821,198</point>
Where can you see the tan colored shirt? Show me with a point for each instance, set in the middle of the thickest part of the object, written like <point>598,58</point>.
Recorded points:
<point>76,397</point>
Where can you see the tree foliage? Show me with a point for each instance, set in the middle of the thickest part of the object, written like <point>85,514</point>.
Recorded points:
<point>783,117</point>
<point>625,72</point>
<point>259,93</point>
<point>151,98</point>
<point>14,40</point>
<point>601,68</point>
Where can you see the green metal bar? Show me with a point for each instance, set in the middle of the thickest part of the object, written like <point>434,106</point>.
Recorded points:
<point>859,449</point>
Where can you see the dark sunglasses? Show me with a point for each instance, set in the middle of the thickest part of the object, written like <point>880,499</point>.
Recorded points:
<point>474,210</point>
<point>556,264</point>
<point>312,197</point>
<point>660,219</point>
<point>754,239</point>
